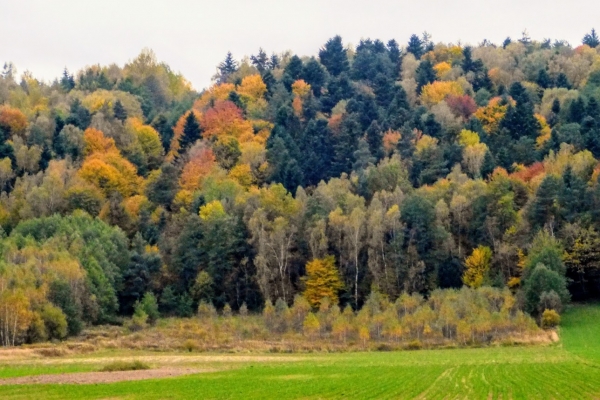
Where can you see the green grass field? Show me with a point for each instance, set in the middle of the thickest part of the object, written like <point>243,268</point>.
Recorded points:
<point>569,369</point>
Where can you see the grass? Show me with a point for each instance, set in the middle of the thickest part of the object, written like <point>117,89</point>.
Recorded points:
<point>569,369</point>
<point>121,365</point>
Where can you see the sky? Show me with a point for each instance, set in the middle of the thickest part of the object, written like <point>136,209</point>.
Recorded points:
<point>45,36</point>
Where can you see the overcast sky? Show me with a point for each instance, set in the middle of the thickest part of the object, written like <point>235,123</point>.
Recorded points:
<point>44,36</point>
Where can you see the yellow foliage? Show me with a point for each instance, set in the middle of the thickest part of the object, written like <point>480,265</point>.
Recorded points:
<point>252,88</point>
<point>441,69</point>
<point>111,172</point>
<point>468,138</point>
<point>213,95</point>
<point>212,211</point>
<point>322,281</point>
<point>545,132</point>
<point>147,137</point>
<point>491,115</point>
<point>434,93</point>
<point>242,174</point>
<point>134,204</point>
<point>476,266</point>
<point>300,88</point>
<point>424,143</point>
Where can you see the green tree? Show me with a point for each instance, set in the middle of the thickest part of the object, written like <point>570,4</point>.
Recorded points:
<point>333,56</point>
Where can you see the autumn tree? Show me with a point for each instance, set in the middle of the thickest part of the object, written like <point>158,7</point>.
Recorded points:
<point>477,265</point>
<point>322,280</point>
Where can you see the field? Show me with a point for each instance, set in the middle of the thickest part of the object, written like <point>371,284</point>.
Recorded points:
<point>568,369</point>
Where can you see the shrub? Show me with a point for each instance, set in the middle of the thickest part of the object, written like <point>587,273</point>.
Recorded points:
<point>550,319</point>
<point>139,320</point>
<point>150,306</point>
<point>550,301</point>
<point>55,322</point>
<point>134,365</point>
<point>206,310</point>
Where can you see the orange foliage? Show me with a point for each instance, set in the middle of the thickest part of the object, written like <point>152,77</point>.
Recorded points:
<point>214,94</point>
<point>297,106</point>
<point>390,140</point>
<point>435,92</point>
<point>202,161</point>
<point>178,133</point>
<point>528,173</point>
<point>134,204</point>
<point>13,119</point>
<point>491,115</point>
<point>95,141</point>
<point>105,168</point>
<point>335,123</point>
<point>225,119</point>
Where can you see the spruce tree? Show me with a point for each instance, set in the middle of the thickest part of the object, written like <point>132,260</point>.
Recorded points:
<point>227,67</point>
<point>119,111</point>
<point>591,39</point>
<point>374,137</point>
<point>425,74</point>
<point>333,56</point>
<point>415,46</point>
<point>191,132</point>
<point>317,151</point>
<point>562,81</point>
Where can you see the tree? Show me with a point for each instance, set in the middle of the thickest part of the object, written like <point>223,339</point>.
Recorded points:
<point>227,67</point>
<point>591,39</point>
<point>119,111</point>
<point>415,46</point>
<point>333,56</point>
<point>477,265</point>
<point>322,280</point>
<point>191,132</point>
<point>425,75</point>
<point>541,280</point>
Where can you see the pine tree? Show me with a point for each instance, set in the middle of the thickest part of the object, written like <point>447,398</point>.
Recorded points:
<point>345,145</point>
<point>543,79</point>
<point>591,39</point>
<point>119,111</point>
<point>315,75</point>
<point>375,140</point>
<point>562,81</point>
<point>425,74</point>
<point>415,46</point>
<point>577,111</point>
<point>191,132</point>
<point>260,61</point>
<point>395,55</point>
<point>67,81</point>
<point>333,56</point>
<point>317,152</point>
<point>488,165</point>
<point>227,67</point>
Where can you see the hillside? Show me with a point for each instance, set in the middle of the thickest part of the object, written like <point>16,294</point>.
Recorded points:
<point>373,172</point>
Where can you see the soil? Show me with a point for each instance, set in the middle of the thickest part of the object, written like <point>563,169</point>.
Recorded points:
<point>102,377</point>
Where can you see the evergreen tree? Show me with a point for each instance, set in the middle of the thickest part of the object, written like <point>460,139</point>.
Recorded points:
<point>260,61</point>
<point>577,110</point>
<point>333,56</point>
<point>543,79</point>
<point>119,111</point>
<point>317,151</point>
<point>562,81</point>
<point>415,46</point>
<point>191,132</point>
<point>294,68</point>
<point>572,197</point>
<point>374,137</point>
<point>315,75</point>
<point>67,81</point>
<point>395,55</point>
<point>591,39</point>
<point>425,74</point>
<point>488,165</point>
<point>345,144</point>
<point>543,208</point>
<point>227,67</point>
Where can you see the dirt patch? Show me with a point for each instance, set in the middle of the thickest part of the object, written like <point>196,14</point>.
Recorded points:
<point>102,377</point>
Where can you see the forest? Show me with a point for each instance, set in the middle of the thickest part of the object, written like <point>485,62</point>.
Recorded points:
<point>364,175</point>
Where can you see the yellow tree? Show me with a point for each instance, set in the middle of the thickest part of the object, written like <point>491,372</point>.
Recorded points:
<point>322,280</point>
<point>476,266</point>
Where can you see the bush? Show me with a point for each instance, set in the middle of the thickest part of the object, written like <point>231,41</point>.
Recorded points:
<point>150,306</point>
<point>134,365</point>
<point>139,320</point>
<point>550,301</point>
<point>550,319</point>
<point>206,310</point>
<point>55,322</point>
